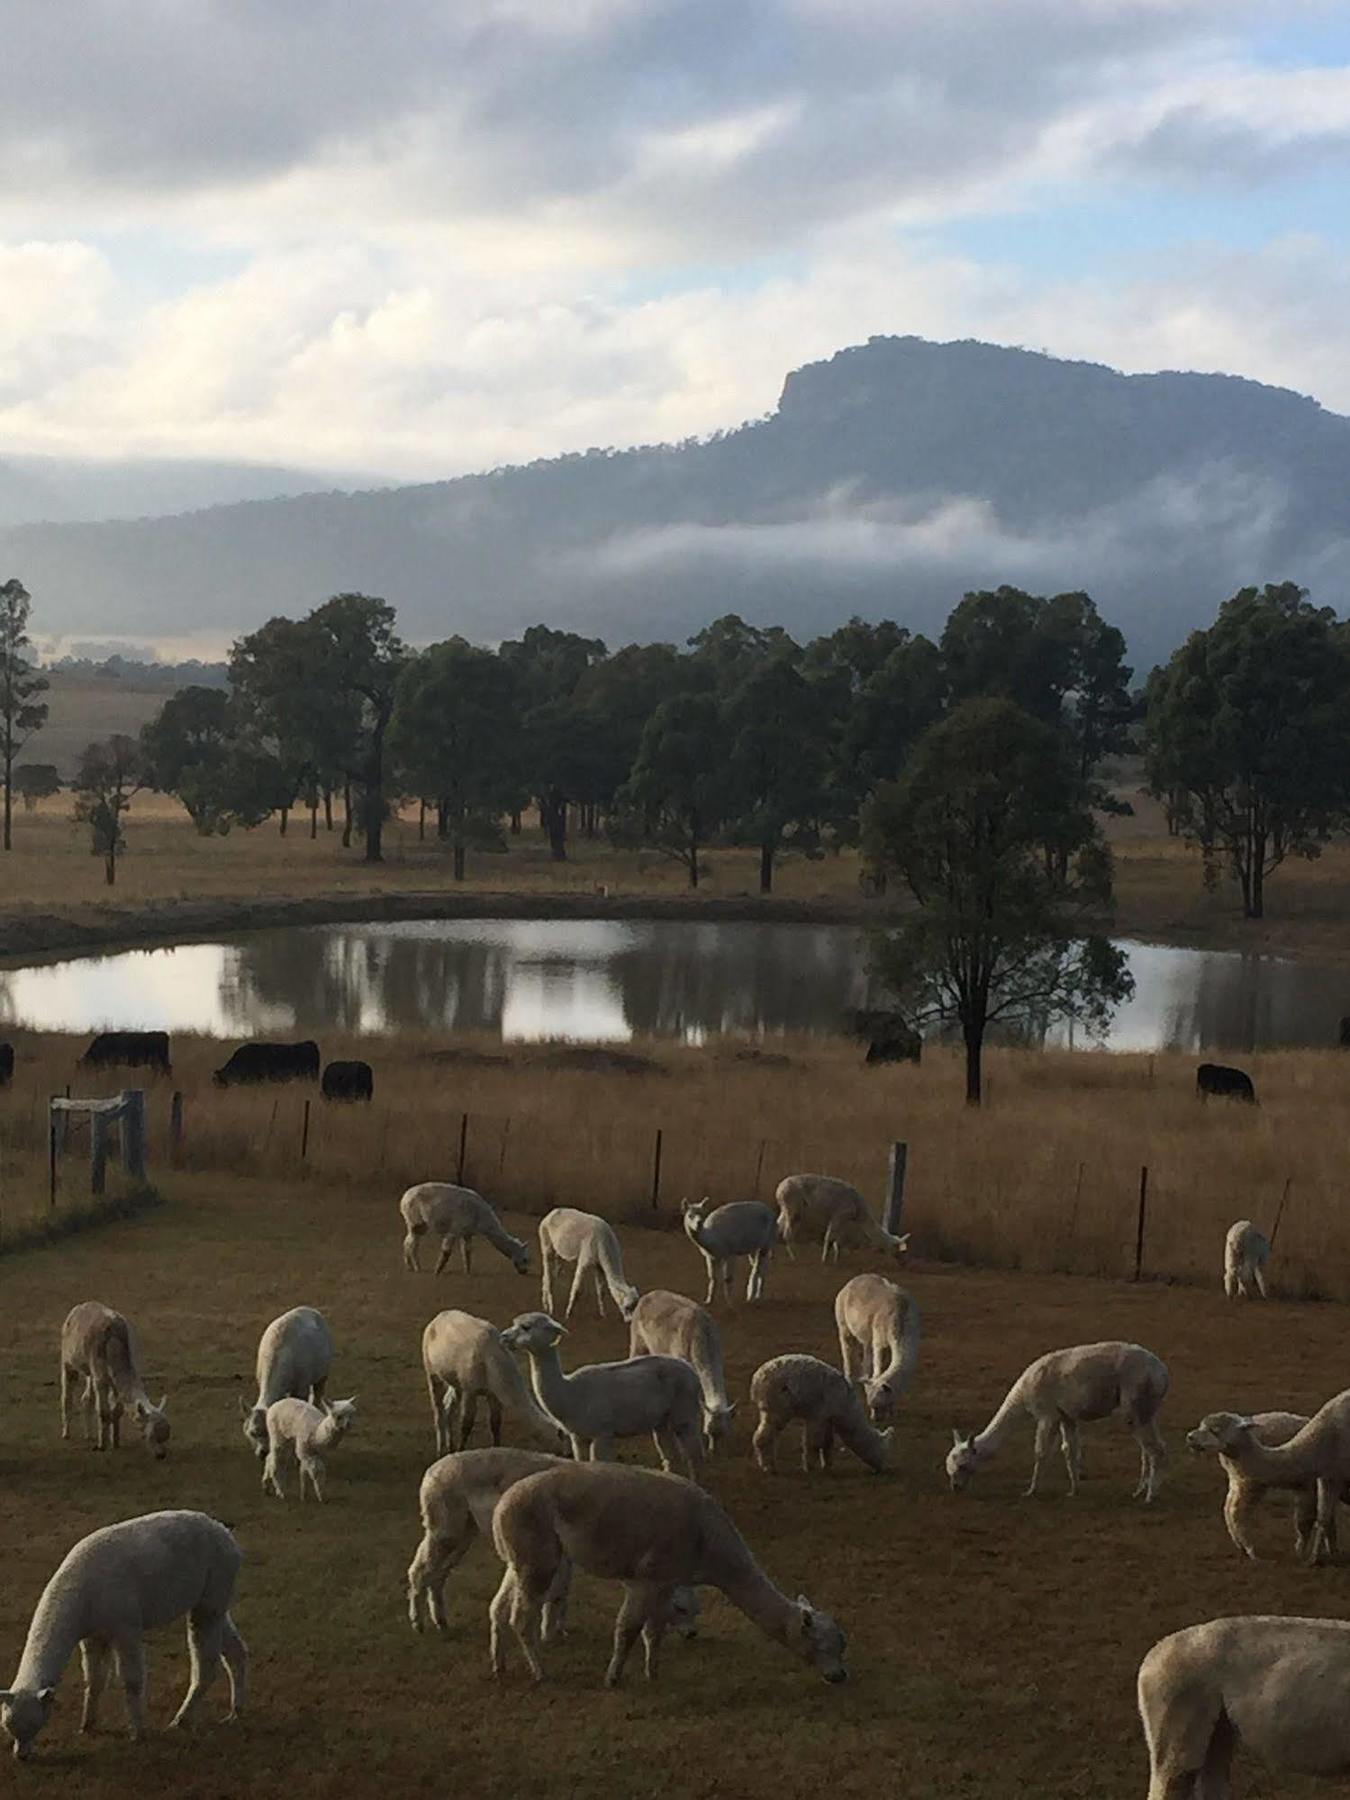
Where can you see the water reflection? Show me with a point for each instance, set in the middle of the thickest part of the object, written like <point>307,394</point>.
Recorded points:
<point>607,980</point>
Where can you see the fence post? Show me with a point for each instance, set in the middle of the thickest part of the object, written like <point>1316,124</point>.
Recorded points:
<point>1143,1209</point>
<point>463,1147</point>
<point>52,1117</point>
<point>656,1171</point>
<point>176,1129</point>
<point>1279,1210</point>
<point>98,1152</point>
<point>895,1187</point>
<point>759,1166</point>
<point>132,1131</point>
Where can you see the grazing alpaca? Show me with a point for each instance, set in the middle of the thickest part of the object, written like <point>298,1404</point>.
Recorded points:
<point>666,1324</point>
<point>654,1533</point>
<point>464,1357</point>
<point>1067,1388</point>
<point>878,1326</point>
<point>1245,1491</point>
<point>115,1585</point>
<point>569,1236</point>
<point>802,1387</point>
<point>295,1428</point>
<point>596,1404</point>
<point>456,1215</point>
<point>819,1204</point>
<point>741,1228</point>
<point>1276,1686</point>
<point>458,1496</point>
<point>97,1347</point>
<point>294,1356</point>
<point>1319,1452</point>
<point>1246,1251</point>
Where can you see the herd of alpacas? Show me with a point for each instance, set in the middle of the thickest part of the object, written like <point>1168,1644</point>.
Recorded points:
<point>1278,1685</point>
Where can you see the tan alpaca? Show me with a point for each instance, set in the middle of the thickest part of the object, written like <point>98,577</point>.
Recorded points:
<point>1275,1686</point>
<point>97,1348</point>
<point>878,1326</point>
<point>463,1357</point>
<point>569,1236</point>
<point>802,1387</point>
<point>1245,1491</point>
<point>1319,1453</point>
<point>654,1533</point>
<point>812,1207</point>
<point>1065,1389</point>
<point>1246,1251</point>
<point>667,1324</point>
<point>456,1215</point>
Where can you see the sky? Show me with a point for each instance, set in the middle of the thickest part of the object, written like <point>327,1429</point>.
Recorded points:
<point>433,236</point>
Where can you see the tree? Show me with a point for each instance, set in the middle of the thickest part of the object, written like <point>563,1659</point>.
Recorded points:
<point>36,781</point>
<point>995,938</point>
<point>21,712</point>
<point>556,751</point>
<point>775,723</point>
<point>109,776</point>
<point>678,793</point>
<point>1248,735</point>
<point>364,660</point>
<point>193,749</point>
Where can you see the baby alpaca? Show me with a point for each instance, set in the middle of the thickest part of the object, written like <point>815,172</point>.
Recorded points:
<point>294,1356</point>
<point>97,1347</point>
<point>115,1585</point>
<point>456,1215</point>
<point>1246,1251</point>
<point>803,1387</point>
<point>569,1236</point>
<point>878,1327</point>
<point>1274,1685</point>
<point>297,1429</point>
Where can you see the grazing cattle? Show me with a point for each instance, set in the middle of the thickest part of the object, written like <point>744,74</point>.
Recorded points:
<point>349,1081</point>
<point>130,1049</point>
<point>889,1037</point>
<point>6,1064</point>
<point>270,1062</point>
<point>1230,1084</point>
<point>1345,1033</point>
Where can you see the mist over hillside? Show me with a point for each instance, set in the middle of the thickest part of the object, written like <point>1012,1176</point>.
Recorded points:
<point>889,479</point>
<point>46,489</point>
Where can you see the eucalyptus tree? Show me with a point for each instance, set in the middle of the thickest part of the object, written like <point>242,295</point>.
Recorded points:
<point>22,710</point>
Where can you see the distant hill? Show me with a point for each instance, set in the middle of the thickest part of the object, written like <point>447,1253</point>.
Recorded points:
<point>41,489</point>
<point>890,479</point>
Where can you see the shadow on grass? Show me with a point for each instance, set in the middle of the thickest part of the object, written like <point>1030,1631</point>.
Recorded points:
<point>72,1220</point>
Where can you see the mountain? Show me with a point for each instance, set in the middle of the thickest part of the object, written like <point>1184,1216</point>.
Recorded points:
<point>44,489</point>
<point>890,479</point>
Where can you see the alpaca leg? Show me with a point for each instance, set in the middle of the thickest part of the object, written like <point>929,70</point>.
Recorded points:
<point>526,1621</point>
<point>316,1391</point>
<point>851,1357</point>
<point>205,1635</point>
<point>597,1276</point>
<point>430,1569</point>
<point>1152,1459</point>
<point>1327,1494</point>
<point>1230,1283</point>
<point>815,1447</point>
<point>576,1287</point>
<point>689,1448</point>
<point>1239,1509</point>
<point>712,1279</point>
<point>130,1652</point>
<point>447,1249</point>
<point>470,1418</point>
<point>269,1476</point>
<point>555,1603</point>
<point>452,1418</point>
<point>313,1467</point>
<point>437,1394</point>
<point>1045,1436</point>
<point>602,1449</point>
<point>1305,1521</point>
<point>752,1279</point>
<point>546,1255</point>
<point>727,1269</point>
<point>785,1234</point>
<point>765,1444</point>
<point>95,1657</point>
<point>1259,1276</point>
<point>628,1627</point>
<point>580,1449</point>
<point>1071,1446</point>
<point>1181,1727</point>
<point>466,1246</point>
<point>495,1419</point>
<point>666,1447</point>
<point>411,1247</point>
<point>115,1417</point>
<point>69,1382</point>
<point>234,1654</point>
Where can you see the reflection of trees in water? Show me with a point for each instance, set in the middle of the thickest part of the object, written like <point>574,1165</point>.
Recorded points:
<point>1252,1002</point>
<point>703,979</point>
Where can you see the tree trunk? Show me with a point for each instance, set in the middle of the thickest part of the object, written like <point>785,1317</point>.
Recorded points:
<point>442,819</point>
<point>974,1066</point>
<point>553,817</point>
<point>459,859</point>
<point>421,821</point>
<point>110,868</point>
<point>347,814</point>
<point>1257,909</point>
<point>313,818</point>
<point>328,809</point>
<point>693,863</point>
<point>285,814</point>
<point>766,868</point>
<point>9,794</point>
<point>515,823</point>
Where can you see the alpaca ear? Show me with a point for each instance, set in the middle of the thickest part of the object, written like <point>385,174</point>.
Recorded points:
<point>902,1242</point>
<point>163,1403</point>
<point>731,1409</point>
<point>957,1439</point>
<point>804,1607</point>
<point>47,1695</point>
<point>243,1410</point>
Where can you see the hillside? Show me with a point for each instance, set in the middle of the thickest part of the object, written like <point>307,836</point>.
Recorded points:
<point>47,489</point>
<point>889,479</point>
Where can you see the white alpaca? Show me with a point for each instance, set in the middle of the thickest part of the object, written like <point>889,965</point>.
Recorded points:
<point>878,1326</point>
<point>115,1585</point>
<point>464,1357</point>
<point>802,1387</point>
<point>456,1215</point>
<point>97,1348</point>
<point>605,1401</point>
<point>458,1496</point>
<point>654,1533</point>
<point>569,1236</point>
<point>1245,1491</point>
<point>1065,1389</point>
<point>1317,1453</point>
<point>1276,1686</point>
<point>1246,1251</point>
<point>741,1228</point>
<point>295,1354</point>
<point>666,1324</point>
<point>811,1206</point>
<point>296,1430</point>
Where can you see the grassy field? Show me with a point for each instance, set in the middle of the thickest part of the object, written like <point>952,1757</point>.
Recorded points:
<point>993,1640</point>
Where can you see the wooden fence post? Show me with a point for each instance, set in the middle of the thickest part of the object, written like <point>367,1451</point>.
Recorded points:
<point>132,1131</point>
<point>98,1152</point>
<point>304,1133</point>
<point>176,1129</point>
<point>463,1148</point>
<point>656,1171</point>
<point>1279,1210</point>
<point>1143,1210</point>
<point>895,1187</point>
<point>759,1166</point>
<point>51,1155</point>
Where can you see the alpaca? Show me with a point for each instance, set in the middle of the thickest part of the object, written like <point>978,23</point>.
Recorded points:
<point>1274,1685</point>
<point>808,1204</point>
<point>595,1405</point>
<point>803,1387</point>
<point>741,1228</point>
<point>464,1357</point>
<point>878,1326</point>
<point>666,1324</point>
<point>1319,1452</point>
<point>297,1429</point>
<point>654,1533</point>
<point>457,1499</point>
<point>98,1348</point>
<point>456,1215</point>
<point>115,1585</point>
<point>566,1235</point>
<point>1245,1491</point>
<point>1246,1251</point>
<point>294,1356</point>
<point>1065,1389</point>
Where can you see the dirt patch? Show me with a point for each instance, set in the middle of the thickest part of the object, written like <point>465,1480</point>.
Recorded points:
<point>593,1059</point>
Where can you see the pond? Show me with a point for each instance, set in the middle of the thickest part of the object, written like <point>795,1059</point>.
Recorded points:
<point>607,980</point>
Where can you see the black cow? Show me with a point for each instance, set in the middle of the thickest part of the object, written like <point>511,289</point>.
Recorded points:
<point>6,1064</point>
<point>349,1081</point>
<point>270,1062</point>
<point>131,1049</point>
<point>1231,1084</point>
<point>1345,1034</point>
<point>889,1037</point>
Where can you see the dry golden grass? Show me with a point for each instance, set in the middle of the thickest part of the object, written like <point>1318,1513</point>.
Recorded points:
<point>1046,1177</point>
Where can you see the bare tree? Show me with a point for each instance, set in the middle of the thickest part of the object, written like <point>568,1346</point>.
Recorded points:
<point>21,712</point>
<point>110,775</point>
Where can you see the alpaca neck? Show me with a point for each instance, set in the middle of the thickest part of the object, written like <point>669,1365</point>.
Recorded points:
<point>550,1383</point>
<point>512,1389</point>
<point>1280,1462</point>
<point>57,1627</point>
<point>862,1436</point>
<point>987,1441</point>
<point>707,1360</point>
<point>610,1258</point>
<point>693,1225</point>
<point>747,1587</point>
<point>498,1236</point>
